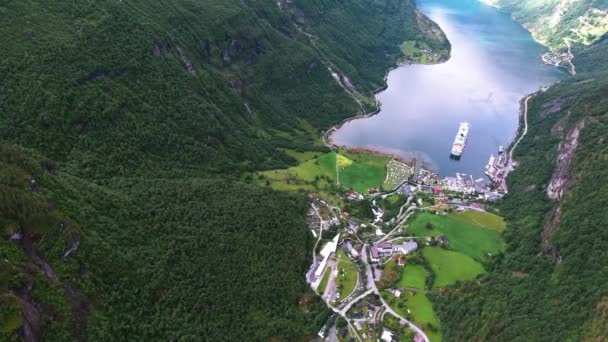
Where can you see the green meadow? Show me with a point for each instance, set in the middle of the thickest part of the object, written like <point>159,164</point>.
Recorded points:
<point>316,173</point>
<point>359,171</point>
<point>364,171</point>
<point>450,267</point>
<point>486,220</point>
<point>423,313</point>
<point>412,276</point>
<point>415,300</point>
<point>471,239</point>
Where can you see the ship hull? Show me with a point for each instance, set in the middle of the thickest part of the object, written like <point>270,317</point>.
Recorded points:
<point>460,140</point>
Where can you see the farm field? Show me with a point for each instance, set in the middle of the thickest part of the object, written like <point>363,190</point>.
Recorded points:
<point>423,313</point>
<point>362,171</point>
<point>316,174</point>
<point>472,240</point>
<point>486,220</point>
<point>412,276</point>
<point>450,267</point>
<point>359,171</point>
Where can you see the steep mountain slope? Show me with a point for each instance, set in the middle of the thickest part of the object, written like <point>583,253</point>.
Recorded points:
<point>551,283</point>
<point>124,85</point>
<point>556,22</point>
<point>171,259</point>
<point>122,218</point>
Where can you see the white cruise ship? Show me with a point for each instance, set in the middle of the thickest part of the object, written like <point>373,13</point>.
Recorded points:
<point>461,139</point>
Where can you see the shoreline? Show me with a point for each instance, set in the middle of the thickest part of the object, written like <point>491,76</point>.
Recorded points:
<point>379,153</point>
<point>326,135</point>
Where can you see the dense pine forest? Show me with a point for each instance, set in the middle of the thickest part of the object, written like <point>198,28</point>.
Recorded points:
<point>125,126</point>
<point>551,283</point>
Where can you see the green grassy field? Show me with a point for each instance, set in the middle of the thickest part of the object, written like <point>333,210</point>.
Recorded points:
<point>324,281</point>
<point>470,239</point>
<point>412,276</point>
<point>316,174</point>
<point>450,267</point>
<point>423,313</point>
<point>366,171</point>
<point>486,220</point>
<point>347,275</point>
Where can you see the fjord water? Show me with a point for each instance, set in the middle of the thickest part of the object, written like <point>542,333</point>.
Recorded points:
<point>494,63</point>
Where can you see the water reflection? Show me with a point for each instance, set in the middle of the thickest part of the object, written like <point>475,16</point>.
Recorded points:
<point>494,63</point>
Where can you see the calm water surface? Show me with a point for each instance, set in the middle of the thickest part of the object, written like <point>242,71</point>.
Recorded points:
<point>494,64</point>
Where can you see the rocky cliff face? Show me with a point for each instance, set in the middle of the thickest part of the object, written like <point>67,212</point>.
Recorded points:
<point>565,154</point>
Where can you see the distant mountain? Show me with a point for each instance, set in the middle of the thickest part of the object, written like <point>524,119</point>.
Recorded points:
<point>552,282</point>
<point>124,129</point>
<point>582,22</point>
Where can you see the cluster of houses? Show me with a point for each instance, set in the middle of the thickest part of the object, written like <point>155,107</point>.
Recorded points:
<point>352,195</point>
<point>382,250</point>
<point>373,191</point>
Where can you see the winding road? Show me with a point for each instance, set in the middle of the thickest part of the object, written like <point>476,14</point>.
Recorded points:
<point>374,289</point>
<point>523,134</point>
<point>370,285</point>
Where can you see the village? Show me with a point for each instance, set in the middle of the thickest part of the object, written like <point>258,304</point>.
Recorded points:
<point>388,233</point>
<point>355,257</point>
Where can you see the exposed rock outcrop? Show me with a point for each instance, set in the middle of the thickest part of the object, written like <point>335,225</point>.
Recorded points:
<point>565,153</point>
<point>185,61</point>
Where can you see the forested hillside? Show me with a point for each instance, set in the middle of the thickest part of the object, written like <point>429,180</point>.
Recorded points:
<point>553,22</point>
<point>124,126</point>
<point>551,284</point>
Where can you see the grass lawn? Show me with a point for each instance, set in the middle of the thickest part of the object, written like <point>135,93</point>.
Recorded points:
<point>324,281</point>
<point>364,171</point>
<point>303,176</point>
<point>346,279</point>
<point>412,276</point>
<point>423,313</point>
<point>450,267</point>
<point>344,161</point>
<point>470,239</point>
<point>486,220</point>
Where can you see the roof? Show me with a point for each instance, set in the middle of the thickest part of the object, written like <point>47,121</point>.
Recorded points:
<point>407,247</point>
<point>387,336</point>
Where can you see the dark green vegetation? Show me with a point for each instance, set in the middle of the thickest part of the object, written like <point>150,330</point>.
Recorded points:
<point>150,111</point>
<point>171,252</point>
<point>551,284</point>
